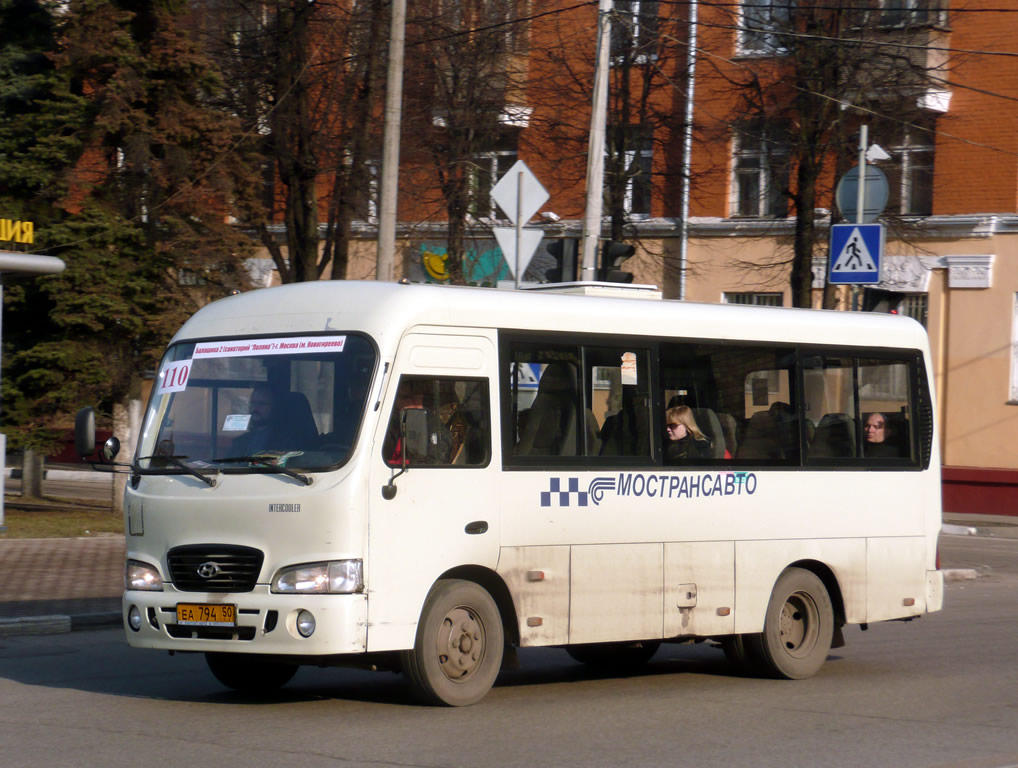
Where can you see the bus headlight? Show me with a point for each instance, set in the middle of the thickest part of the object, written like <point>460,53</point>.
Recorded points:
<point>335,577</point>
<point>138,575</point>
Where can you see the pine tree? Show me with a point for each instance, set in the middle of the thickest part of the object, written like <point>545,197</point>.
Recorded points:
<point>137,206</point>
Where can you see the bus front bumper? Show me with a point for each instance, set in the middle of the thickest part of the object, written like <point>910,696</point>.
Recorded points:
<point>260,622</point>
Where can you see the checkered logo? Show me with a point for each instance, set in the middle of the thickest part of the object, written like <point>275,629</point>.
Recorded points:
<point>562,497</point>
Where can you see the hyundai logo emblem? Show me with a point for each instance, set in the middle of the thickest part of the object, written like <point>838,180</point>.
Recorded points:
<point>209,570</point>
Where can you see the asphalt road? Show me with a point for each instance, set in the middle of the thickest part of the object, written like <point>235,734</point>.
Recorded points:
<point>940,691</point>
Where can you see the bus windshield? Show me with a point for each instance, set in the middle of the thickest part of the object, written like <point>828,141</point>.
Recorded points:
<point>252,405</point>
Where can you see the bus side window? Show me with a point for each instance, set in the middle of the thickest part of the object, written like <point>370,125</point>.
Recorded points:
<point>457,422</point>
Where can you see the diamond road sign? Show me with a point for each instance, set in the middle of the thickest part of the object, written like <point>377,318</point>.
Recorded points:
<point>855,255</point>
<point>507,193</point>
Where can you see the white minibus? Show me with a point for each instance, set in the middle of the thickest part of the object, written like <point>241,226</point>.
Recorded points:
<point>424,478</point>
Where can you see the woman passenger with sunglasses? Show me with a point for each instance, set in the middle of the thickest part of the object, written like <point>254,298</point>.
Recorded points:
<point>685,440</point>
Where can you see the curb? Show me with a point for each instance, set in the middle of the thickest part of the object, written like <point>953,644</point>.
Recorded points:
<point>57,624</point>
<point>959,530</point>
<point>964,574</point>
<point>77,475</point>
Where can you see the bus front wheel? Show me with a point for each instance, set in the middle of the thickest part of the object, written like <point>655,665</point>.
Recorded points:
<point>249,674</point>
<point>798,627</point>
<point>458,650</point>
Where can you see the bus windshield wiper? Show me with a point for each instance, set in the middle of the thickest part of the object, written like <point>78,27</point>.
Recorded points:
<point>263,462</point>
<point>177,461</point>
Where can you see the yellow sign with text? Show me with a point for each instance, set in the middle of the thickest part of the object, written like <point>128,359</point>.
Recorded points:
<point>17,231</point>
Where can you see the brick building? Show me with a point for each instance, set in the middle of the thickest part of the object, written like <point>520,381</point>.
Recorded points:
<point>949,137</point>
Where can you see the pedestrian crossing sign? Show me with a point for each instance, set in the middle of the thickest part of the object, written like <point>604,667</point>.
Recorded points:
<point>855,254</point>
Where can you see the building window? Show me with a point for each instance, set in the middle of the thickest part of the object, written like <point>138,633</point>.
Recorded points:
<point>367,195</point>
<point>916,306</point>
<point>634,31</point>
<point>910,172</point>
<point>760,172</point>
<point>902,13</point>
<point>761,24</point>
<point>756,299</point>
<point>629,154</point>
<point>487,169</point>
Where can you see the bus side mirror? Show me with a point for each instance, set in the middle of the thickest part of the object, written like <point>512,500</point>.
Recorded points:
<point>110,449</point>
<point>84,432</point>
<point>415,435</point>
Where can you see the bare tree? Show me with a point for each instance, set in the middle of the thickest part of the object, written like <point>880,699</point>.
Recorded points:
<point>304,78</point>
<point>467,59</point>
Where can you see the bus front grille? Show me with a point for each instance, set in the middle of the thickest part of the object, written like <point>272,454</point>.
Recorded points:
<point>214,567</point>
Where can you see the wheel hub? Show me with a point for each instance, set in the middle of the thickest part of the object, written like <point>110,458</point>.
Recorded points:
<point>460,644</point>
<point>798,624</point>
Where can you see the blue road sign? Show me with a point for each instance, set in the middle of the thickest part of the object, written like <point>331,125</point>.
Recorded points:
<point>855,254</point>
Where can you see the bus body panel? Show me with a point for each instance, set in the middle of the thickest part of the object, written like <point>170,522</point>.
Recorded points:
<point>616,592</point>
<point>896,573</point>
<point>538,579</point>
<point>699,586</point>
<point>422,532</point>
<point>759,563</point>
<point>288,523</point>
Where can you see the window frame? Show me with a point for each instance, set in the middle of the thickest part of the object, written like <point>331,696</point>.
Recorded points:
<point>756,298</point>
<point>638,151</point>
<point>769,31</point>
<point>920,413</point>
<point>906,153</point>
<point>772,171</point>
<point>636,42</point>
<point>483,381</point>
<point>908,13</point>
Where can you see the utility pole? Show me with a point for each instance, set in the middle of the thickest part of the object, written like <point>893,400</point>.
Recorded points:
<point>390,145</point>
<point>595,149</point>
<point>687,147</point>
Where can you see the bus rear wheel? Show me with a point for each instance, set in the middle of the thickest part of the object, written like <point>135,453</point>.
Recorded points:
<point>249,674</point>
<point>458,650</point>
<point>798,628</point>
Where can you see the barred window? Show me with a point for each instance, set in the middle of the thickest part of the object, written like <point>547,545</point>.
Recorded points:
<point>757,299</point>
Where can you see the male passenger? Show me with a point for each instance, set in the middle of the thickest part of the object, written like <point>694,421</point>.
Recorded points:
<point>877,432</point>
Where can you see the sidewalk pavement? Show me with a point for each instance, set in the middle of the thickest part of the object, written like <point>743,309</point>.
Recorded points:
<point>59,585</point>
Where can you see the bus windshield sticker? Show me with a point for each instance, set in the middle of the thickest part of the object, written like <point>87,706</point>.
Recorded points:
<point>629,369</point>
<point>236,422</point>
<point>284,345</point>
<point>637,484</point>
<point>173,377</point>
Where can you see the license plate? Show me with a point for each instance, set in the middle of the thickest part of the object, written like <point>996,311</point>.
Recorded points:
<point>201,615</point>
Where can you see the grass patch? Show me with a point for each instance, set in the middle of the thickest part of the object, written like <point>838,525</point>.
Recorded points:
<point>63,522</point>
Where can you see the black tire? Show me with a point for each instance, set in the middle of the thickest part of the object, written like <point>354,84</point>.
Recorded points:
<point>798,628</point>
<point>458,650</point>
<point>249,673</point>
<point>616,656</point>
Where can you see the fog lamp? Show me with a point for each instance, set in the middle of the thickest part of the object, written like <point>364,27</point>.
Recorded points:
<point>305,623</point>
<point>134,618</point>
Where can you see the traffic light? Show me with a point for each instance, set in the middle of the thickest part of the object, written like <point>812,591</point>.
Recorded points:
<point>612,255</point>
<point>564,252</point>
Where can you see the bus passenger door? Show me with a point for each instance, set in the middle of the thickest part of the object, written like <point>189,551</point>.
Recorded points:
<point>438,514</point>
